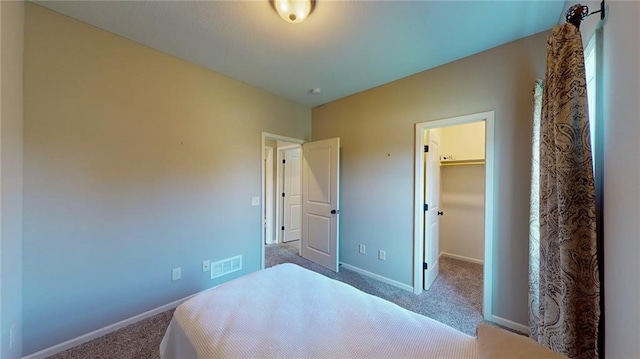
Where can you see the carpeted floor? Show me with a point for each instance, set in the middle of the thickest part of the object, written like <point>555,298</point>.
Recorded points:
<point>454,299</point>
<point>140,340</point>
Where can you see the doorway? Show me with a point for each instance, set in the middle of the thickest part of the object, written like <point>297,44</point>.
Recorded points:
<point>307,212</point>
<point>432,161</point>
<point>271,180</point>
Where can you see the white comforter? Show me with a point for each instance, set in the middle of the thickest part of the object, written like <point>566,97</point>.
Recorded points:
<point>290,312</point>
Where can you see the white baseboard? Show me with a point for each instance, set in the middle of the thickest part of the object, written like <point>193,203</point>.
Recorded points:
<point>462,258</point>
<point>378,277</point>
<point>58,348</point>
<point>511,325</point>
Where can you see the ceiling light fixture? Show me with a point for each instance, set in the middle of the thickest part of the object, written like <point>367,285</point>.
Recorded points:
<point>293,11</point>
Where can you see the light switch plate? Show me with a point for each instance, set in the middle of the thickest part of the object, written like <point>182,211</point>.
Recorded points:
<point>255,201</point>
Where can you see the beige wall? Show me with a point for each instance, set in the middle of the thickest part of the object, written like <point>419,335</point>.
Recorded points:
<point>621,119</point>
<point>462,192</point>
<point>135,163</point>
<point>462,201</point>
<point>376,130</point>
<point>463,142</point>
<point>11,123</point>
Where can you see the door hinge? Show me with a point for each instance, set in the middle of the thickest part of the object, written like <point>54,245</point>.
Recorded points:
<point>283,228</point>
<point>426,207</point>
<point>425,266</point>
<point>282,194</point>
<point>426,148</point>
<point>284,162</point>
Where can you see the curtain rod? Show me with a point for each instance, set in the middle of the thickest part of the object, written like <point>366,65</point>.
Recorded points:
<point>579,12</point>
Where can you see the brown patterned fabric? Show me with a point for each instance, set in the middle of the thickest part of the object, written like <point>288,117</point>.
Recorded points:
<point>564,286</point>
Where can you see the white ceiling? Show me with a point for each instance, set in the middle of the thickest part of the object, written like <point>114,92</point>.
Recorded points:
<point>344,47</point>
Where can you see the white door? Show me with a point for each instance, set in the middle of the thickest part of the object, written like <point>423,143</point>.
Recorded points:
<point>432,200</point>
<point>320,191</point>
<point>292,195</point>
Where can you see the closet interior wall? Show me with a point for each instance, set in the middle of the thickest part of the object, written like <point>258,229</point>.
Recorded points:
<point>462,192</point>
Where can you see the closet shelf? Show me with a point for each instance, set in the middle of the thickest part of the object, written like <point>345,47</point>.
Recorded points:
<point>462,162</point>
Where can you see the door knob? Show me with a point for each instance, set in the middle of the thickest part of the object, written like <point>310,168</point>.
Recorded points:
<point>335,211</point>
<point>440,213</point>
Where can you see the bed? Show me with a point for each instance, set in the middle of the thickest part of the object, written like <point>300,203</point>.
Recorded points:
<point>287,311</point>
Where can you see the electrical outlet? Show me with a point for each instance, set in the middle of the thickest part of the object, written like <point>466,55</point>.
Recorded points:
<point>176,274</point>
<point>382,255</point>
<point>206,265</point>
<point>361,249</point>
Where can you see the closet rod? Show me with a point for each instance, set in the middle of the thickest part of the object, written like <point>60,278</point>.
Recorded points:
<point>462,162</point>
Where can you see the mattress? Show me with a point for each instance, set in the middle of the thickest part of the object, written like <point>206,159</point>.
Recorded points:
<point>287,311</point>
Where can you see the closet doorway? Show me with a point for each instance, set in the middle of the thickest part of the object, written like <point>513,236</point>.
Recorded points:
<point>454,200</point>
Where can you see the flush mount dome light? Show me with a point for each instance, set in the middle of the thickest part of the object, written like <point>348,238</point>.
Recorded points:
<point>293,11</point>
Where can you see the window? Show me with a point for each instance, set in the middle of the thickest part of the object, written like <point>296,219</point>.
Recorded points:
<point>590,66</point>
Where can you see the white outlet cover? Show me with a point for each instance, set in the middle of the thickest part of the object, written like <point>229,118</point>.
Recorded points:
<point>176,274</point>
<point>382,255</point>
<point>206,265</point>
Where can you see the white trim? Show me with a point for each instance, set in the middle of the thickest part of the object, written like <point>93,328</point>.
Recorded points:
<point>461,258</point>
<point>288,147</point>
<point>264,136</point>
<point>273,136</point>
<point>377,277</point>
<point>279,200</point>
<point>521,328</point>
<point>489,199</point>
<point>418,221</point>
<point>58,348</point>
<point>268,196</point>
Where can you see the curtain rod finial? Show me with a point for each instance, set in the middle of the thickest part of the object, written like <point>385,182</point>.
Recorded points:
<point>576,14</point>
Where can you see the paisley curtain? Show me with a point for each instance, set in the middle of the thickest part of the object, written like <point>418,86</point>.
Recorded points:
<point>564,286</point>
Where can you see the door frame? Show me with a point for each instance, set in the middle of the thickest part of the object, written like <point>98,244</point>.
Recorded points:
<point>268,195</point>
<point>488,118</point>
<point>264,137</point>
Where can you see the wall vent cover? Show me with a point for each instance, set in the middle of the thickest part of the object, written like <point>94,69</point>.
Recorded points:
<point>226,266</point>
